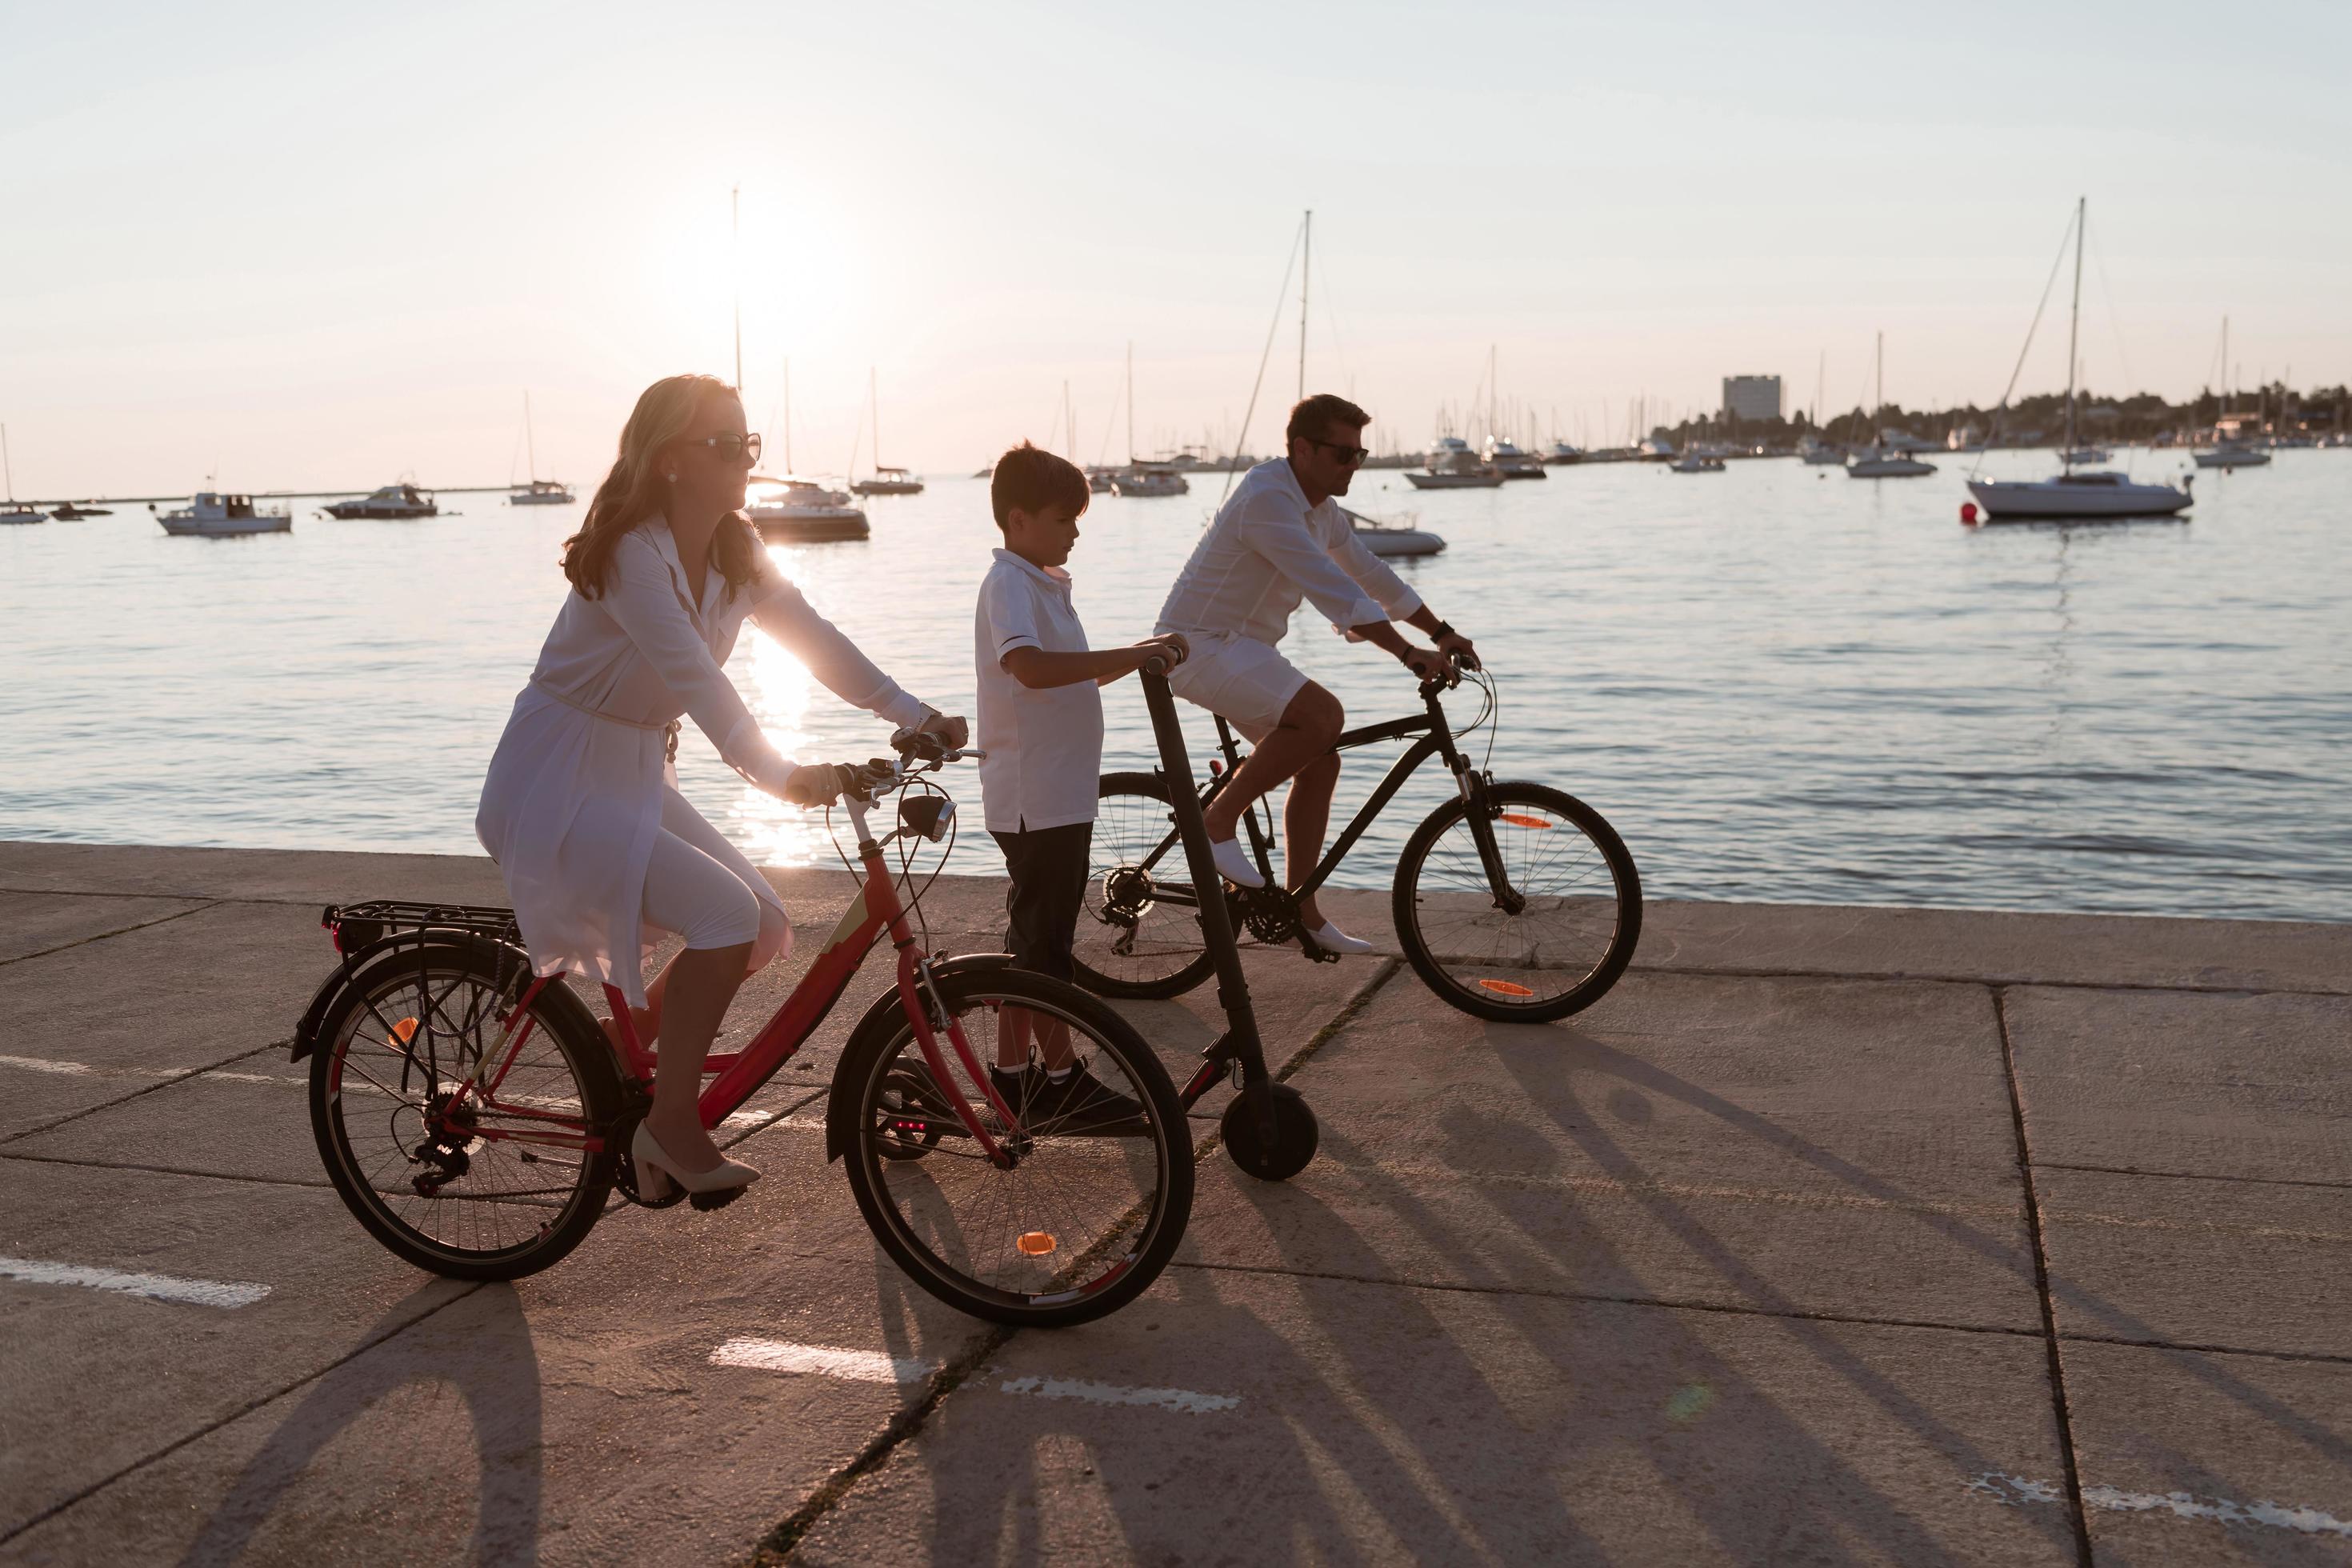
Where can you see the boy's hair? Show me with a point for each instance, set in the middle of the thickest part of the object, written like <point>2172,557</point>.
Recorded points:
<point>1319,413</point>
<point>1033,480</point>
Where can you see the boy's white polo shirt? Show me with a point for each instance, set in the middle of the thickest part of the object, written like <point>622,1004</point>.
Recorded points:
<point>1045,747</point>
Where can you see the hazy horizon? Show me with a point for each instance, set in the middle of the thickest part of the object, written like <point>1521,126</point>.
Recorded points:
<point>297,248</point>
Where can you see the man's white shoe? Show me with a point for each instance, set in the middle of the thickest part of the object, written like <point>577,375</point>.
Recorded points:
<point>1331,939</point>
<point>1233,865</point>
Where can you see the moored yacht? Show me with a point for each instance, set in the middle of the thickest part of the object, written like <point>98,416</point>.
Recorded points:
<point>211,516</point>
<point>401,501</point>
<point>1512,460</point>
<point>1452,465</point>
<point>1877,463</point>
<point>1559,454</point>
<point>1146,481</point>
<point>889,481</point>
<point>542,493</point>
<point>13,511</point>
<point>1696,462</point>
<point>793,510</point>
<point>2232,455</point>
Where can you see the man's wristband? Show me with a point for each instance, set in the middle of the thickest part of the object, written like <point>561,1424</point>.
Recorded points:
<point>1444,630</point>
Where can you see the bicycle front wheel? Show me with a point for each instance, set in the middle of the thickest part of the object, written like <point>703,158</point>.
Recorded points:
<point>1140,932</point>
<point>1552,939</point>
<point>1097,1187</point>
<point>464,1131</point>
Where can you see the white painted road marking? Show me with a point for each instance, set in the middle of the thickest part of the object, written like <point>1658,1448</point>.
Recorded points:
<point>84,1069</point>
<point>2010,1491</point>
<point>856,1366</point>
<point>874,1366</point>
<point>160,1287</point>
<point>1178,1399</point>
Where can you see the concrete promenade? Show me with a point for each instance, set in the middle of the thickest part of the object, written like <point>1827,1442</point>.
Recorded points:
<point>1830,1235</point>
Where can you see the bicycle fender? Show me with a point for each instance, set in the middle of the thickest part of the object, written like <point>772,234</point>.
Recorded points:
<point>873,1028</point>
<point>346,974</point>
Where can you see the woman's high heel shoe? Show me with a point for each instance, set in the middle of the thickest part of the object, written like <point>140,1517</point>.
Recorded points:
<point>727,1176</point>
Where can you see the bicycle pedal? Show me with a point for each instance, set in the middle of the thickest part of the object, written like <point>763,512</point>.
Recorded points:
<point>706,1202</point>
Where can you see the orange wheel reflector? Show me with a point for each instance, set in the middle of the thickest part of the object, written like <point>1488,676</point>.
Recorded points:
<point>405,1031</point>
<point>1516,820</point>
<point>1504,988</point>
<point>1035,1243</point>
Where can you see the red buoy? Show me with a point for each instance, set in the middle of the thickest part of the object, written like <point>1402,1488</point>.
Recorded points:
<point>1969,512</point>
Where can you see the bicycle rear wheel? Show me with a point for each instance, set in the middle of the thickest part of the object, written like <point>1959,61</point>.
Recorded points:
<point>1573,930</point>
<point>1140,932</point>
<point>470,1185</point>
<point>1093,1203</point>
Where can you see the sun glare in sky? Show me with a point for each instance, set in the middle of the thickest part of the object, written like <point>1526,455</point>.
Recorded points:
<point>319,246</point>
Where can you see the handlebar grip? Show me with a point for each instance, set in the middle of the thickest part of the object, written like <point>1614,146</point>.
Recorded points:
<point>1159,664</point>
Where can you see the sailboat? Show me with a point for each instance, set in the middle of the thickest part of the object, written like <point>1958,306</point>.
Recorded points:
<point>2233,452</point>
<point>789,509</point>
<point>885,481</point>
<point>1878,462</point>
<point>1140,479</point>
<point>13,511</point>
<point>539,492</point>
<point>2096,493</point>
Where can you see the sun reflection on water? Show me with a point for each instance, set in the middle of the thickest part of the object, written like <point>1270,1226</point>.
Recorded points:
<point>773,832</point>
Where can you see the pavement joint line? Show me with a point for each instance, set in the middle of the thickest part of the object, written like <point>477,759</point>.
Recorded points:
<point>224,1293</point>
<point>2060,1409</point>
<point>2319,1358</point>
<point>779,1542</point>
<point>124,931</point>
<point>238,1414</point>
<point>177,1076</point>
<point>317,1186</point>
<point>2193,1176</point>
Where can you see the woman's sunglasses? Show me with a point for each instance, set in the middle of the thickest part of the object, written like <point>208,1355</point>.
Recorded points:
<point>732,446</point>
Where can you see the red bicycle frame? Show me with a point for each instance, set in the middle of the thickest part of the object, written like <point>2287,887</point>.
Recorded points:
<point>736,1076</point>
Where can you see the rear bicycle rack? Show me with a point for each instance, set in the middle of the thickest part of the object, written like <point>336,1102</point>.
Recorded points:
<point>355,926</point>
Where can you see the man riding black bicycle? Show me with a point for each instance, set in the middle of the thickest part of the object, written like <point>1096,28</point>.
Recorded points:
<point>1282,536</point>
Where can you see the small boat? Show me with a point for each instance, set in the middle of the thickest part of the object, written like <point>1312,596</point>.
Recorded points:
<point>1821,454</point>
<point>210,515</point>
<point>539,492</point>
<point>1877,463</point>
<point>792,511</point>
<point>401,501</point>
<point>1452,465</point>
<point>1515,461</point>
<point>1148,479</point>
<point>1098,479</point>
<point>887,482</point>
<point>2232,455</point>
<point>1386,539</point>
<point>2101,493</point>
<point>1560,453</point>
<point>12,511</point>
<point>1698,463</point>
<point>69,512</point>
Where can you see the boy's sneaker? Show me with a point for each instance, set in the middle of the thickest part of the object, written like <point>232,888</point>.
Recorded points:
<point>1079,1103</point>
<point>1019,1090</point>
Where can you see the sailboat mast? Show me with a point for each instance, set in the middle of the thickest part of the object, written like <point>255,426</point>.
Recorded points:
<point>788,413</point>
<point>1130,403</point>
<point>1878,397</point>
<point>1306,270</point>
<point>2073,328</point>
<point>874,407</point>
<point>529,441</point>
<point>735,215</point>
<point>7,474</point>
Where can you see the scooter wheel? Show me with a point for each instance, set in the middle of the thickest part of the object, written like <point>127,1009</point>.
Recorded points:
<point>1295,1135</point>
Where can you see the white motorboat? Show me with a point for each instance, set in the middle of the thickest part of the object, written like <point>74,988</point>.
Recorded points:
<point>1821,454</point>
<point>1698,463</point>
<point>889,481</point>
<point>209,515</point>
<point>539,491</point>
<point>395,502</point>
<point>12,511</point>
<point>1386,539</point>
<point>792,510</point>
<point>2232,455</point>
<point>1515,461</point>
<point>2099,493</point>
<point>1145,481</point>
<point>1875,463</point>
<point>1452,465</point>
<point>1560,453</point>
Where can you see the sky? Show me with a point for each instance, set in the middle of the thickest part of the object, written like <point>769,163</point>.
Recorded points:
<point>323,245</point>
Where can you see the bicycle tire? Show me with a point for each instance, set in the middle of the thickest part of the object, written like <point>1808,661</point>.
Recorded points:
<point>1129,802</point>
<point>1132,1247</point>
<point>1493,995</point>
<point>389,987</point>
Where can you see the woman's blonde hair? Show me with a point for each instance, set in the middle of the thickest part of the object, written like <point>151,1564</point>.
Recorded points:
<point>635,489</point>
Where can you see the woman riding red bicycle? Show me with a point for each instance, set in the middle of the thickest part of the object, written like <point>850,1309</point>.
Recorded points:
<point>581,807</point>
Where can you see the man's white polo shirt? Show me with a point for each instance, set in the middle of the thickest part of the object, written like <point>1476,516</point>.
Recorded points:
<point>1045,747</point>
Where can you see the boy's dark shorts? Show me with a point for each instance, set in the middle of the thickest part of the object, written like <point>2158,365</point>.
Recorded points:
<point>1048,866</point>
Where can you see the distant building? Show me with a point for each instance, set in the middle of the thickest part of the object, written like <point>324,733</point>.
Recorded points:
<point>1751,398</point>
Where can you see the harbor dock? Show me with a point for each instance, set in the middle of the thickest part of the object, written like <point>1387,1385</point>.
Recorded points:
<point>1848,1235</point>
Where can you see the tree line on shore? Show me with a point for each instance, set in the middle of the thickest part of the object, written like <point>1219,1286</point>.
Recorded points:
<point>2144,416</point>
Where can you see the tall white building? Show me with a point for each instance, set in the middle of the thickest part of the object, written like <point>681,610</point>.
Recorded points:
<point>1751,398</point>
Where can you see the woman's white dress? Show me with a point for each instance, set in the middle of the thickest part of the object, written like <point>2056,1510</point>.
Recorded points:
<point>574,795</point>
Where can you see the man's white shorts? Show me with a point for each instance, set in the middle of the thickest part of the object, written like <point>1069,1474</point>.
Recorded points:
<point>1241,677</point>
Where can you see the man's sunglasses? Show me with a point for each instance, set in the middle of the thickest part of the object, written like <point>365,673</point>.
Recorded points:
<point>1352,456</point>
<point>732,446</point>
